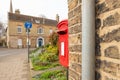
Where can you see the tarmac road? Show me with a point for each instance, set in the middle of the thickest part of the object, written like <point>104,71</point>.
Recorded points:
<point>14,64</point>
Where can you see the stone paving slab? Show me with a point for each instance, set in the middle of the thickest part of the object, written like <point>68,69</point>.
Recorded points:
<point>14,67</point>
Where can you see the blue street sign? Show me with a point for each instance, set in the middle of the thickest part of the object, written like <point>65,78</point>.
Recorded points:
<point>28,25</point>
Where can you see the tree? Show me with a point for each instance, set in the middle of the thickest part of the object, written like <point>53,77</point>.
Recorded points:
<point>53,39</point>
<point>2,34</point>
<point>1,28</point>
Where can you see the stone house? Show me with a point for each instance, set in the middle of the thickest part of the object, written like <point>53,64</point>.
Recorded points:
<point>38,35</point>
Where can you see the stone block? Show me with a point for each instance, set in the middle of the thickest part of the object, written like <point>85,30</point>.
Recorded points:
<point>97,23</point>
<point>75,48</point>
<point>97,76</point>
<point>98,63</point>
<point>96,1</point>
<point>76,67</point>
<point>113,4</point>
<point>76,29</point>
<point>74,12</point>
<point>75,39</point>
<point>71,14</point>
<point>101,8</point>
<point>72,4</point>
<point>75,58</point>
<point>74,75</point>
<point>110,67</point>
<point>109,78</point>
<point>114,35</point>
<point>106,6</point>
<point>77,10</point>
<point>97,45</point>
<point>97,50</point>
<point>118,71</point>
<point>75,20</point>
<point>111,20</point>
<point>112,52</point>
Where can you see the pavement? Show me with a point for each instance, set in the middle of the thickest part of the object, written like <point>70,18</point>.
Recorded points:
<point>14,64</point>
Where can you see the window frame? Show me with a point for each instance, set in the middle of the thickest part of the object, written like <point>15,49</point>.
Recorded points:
<point>19,29</point>
<point>50,31</point>
<point>40,32</point>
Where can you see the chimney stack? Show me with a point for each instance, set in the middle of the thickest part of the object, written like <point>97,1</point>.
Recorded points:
<point>17,11</point>
<point>57,17</point>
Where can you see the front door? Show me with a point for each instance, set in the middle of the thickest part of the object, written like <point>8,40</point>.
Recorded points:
<point>40,42</point>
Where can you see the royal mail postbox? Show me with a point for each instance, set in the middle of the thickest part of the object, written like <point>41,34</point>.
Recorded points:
<point>63,42</point>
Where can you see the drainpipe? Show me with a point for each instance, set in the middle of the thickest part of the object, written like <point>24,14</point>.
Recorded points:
<point>88,39</point>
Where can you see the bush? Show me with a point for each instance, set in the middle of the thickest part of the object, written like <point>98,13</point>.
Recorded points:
<point>46,59</point>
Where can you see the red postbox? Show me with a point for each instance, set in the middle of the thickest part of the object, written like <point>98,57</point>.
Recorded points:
<point>63,42</point>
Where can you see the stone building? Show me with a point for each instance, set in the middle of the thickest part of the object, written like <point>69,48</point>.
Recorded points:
<point>39,33</point>
<point>2,35</point>
<point>107,40</point>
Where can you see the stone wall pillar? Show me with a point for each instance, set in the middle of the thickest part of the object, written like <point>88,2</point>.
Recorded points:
<point>74,20</point>
<point>107,39</point>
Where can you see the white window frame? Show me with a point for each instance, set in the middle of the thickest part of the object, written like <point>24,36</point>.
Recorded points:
<point>37,21</point>
<point>38,40</point>
<point>40,32</point>
<point>19,42</point>
<point>19,27</point>
<point>50,31</point>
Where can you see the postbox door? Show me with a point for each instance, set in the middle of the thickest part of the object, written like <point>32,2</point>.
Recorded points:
<point>63,51</point>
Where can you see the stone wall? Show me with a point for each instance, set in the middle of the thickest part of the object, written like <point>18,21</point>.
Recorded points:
<point>107,39</point>
<point>74,20</point>
<point>107,49</point>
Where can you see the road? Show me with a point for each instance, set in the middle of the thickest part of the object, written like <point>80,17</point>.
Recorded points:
<point>6,52</point>
<point>14,64</point>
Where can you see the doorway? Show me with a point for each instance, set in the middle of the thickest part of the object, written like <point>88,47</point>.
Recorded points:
<point>40,42</point>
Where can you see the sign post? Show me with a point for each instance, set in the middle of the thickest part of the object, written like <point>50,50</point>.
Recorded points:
<point>28,25</point>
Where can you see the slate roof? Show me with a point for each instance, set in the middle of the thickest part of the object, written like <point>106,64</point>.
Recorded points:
<point>35,20</point>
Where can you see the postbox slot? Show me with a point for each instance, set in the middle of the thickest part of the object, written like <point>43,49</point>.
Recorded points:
<point>62,31</point>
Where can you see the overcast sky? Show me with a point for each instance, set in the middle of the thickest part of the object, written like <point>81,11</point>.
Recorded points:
<point>49,8</point>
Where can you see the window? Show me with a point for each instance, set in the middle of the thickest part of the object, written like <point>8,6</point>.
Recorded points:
<point>19,29</point>
<point>19,42</point>
<point>40,30</point>
<point>37,21</point>
<point>29,42</point>
<point>50,31</point>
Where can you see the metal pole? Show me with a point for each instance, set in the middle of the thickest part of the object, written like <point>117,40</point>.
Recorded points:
<point>67,72</point>
<point>88,39</point>
<point>28,43</point>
